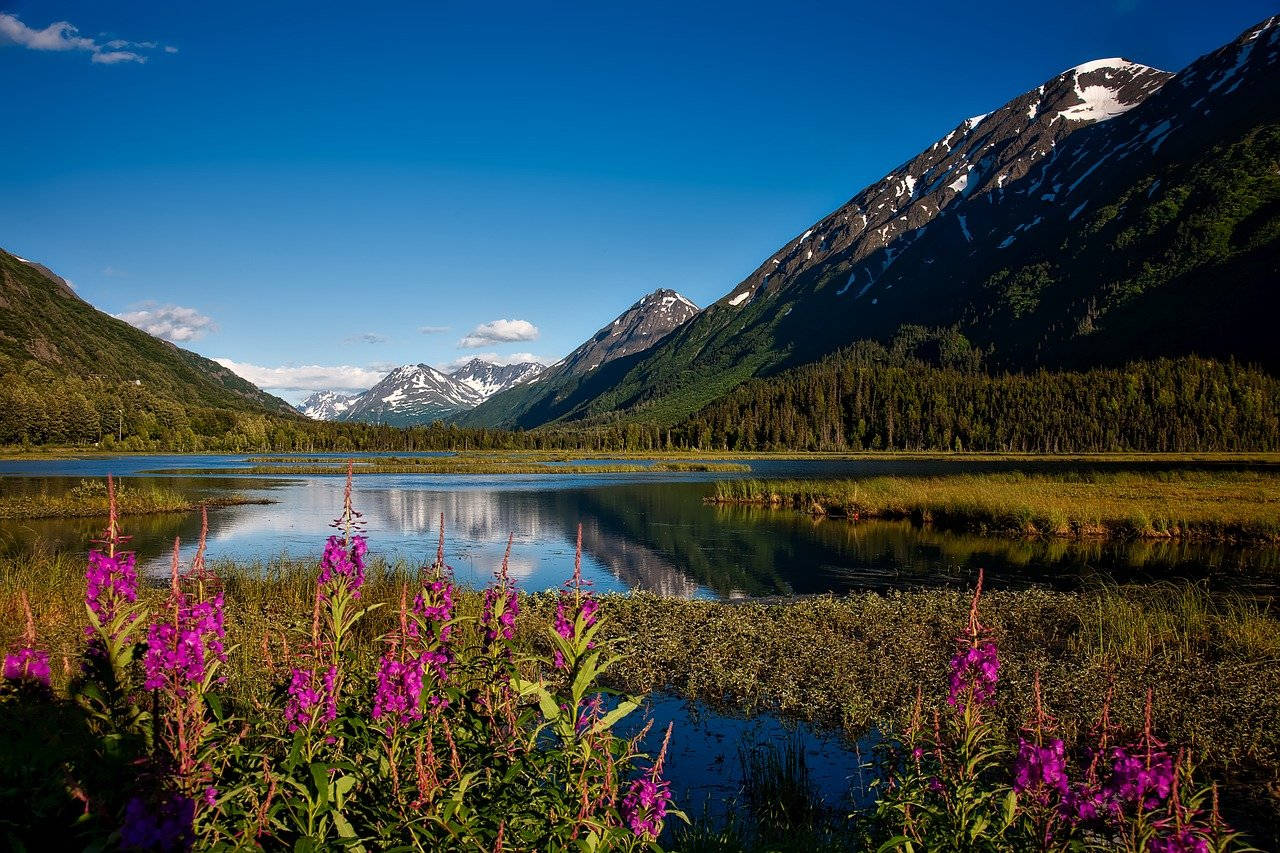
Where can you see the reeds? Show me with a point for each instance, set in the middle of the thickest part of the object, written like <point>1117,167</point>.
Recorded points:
<point>1227,505</point>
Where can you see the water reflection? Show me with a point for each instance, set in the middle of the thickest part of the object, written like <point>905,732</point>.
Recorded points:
<point>645,532</point>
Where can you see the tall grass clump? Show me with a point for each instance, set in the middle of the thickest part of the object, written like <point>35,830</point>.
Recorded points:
<point>440,735</point>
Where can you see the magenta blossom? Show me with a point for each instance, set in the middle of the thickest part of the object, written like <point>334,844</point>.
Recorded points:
<point>340,567</point>
<point>109,582</point>
<point>180,651</point>
<point>974,671</point>
<point>644,807</point>
<point>498,616</point>
<point>399,692</point>
<point>313,698</point>
<point>27,664</point>
<point>1185,840</point>
<point>1040,770</point>
<point>1143,780</point>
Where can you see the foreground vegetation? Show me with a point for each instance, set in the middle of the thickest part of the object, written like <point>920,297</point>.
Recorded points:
<point>1222,505</point>
<point>289,756</point>
<point>89,500</point>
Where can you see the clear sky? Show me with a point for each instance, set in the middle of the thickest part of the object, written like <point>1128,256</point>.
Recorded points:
<point>319,193</point>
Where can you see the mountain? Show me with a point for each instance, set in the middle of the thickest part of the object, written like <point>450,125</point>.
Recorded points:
<point>1114,212</point>
<point>419,394</point>
<point>326,405</point>
<point>411,394</point>
<point>487,379</point>
<point>47,330</point>
<point>593,365</point>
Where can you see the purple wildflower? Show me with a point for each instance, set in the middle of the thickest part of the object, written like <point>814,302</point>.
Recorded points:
<point>179,651</point>
<point>310,703</point>
<point>1143,780</point>
<point>27,664</point>
<point>644,807</point>
<point>109,581</point>
<point>498,615</point>
<point>1040,769</point>
<point>399,692</point>
<point>158,826</point>
<point>1185,840</point>
<point>341,567</point>
<point>974,671</point>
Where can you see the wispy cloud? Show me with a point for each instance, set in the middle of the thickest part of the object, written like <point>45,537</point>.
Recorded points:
<point>433,330</point>
<point>366,338</point>
<point>305,377</point>
<point>499,332</point>
<point>171,322</point>
<point>494,358</point>
<point>64,36</point>
<point>112,272</point>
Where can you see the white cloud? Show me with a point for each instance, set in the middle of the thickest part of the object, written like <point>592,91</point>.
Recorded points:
<point>499,332</point>
<point>433,330</point>
<point>308,377</point>
<point>171,322</point>
<point>366,338</point>
<point>494,358</point>
<point>112,272</point>
<point>62,35</point>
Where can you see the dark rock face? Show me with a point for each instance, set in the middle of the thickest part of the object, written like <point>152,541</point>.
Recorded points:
<point>634,330</point>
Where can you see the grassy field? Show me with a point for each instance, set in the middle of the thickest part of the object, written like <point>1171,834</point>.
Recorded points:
<point>89,500</point>
<point>848,663</point>
<point>1218,505</point>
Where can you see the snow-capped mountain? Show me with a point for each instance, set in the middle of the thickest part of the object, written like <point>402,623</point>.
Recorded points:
<point>487,379</point>
<point>642,326</point>
<point>418,393</point>
<point>411,394</point>
<point>636,329</point>
<point>987,153</point>
<point>327,405</point>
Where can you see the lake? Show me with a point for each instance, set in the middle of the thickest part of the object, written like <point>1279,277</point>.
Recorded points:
<point>649,530</point>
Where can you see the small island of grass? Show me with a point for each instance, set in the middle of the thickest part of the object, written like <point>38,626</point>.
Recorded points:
<point>89,500</point>
<point>1222,505</point>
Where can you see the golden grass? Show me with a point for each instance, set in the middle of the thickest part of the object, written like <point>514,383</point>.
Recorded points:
<point>1220,505</point>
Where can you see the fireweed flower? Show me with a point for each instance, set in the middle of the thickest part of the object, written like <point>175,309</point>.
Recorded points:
<point>433,609</point>
<point>27,664</point>
<point>1183,841</point>
<point>1144,780</point>
<point>340,567</point>
<point>644,807</point>
<point>399,692</point>
<point>180,650</point>
<point>498,615</point>
<point>974,672</point>
<point>109,582</point>
<point>312,698</point>
<point>158,826</point>
<point>1040,769</point>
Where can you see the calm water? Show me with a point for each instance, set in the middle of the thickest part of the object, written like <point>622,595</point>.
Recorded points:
<point>648,531</point>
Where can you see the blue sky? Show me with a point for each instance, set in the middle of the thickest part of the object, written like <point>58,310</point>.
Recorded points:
<point>319,194</point>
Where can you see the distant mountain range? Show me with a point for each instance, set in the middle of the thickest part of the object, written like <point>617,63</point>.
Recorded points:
<point>418,393</point>
<point>1114,212</point>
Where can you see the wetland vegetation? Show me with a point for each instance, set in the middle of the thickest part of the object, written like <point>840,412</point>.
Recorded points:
<point>1218,505</point>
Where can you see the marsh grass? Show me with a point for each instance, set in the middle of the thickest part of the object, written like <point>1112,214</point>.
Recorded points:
<point>89,500</point>
<point>477,464</point>
<point>1220,505</point>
